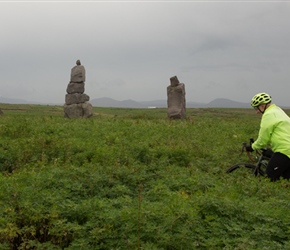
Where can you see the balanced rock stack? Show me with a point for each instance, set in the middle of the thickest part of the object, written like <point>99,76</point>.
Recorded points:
<point>76,101</point>
<point>176,99</point>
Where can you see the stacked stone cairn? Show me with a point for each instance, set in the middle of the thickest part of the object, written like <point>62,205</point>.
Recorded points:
<point>176,99</point>
<point>76,101</point>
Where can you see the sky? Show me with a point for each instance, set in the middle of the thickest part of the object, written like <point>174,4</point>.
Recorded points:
<point>130,49</point>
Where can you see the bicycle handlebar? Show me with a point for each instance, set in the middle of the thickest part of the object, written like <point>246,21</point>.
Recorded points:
<point>248,153</point>
<point>267,152</point>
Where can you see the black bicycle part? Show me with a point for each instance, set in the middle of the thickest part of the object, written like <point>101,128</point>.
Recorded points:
<point>259,163</point>
<point>267,152</point>
<point>256,170</point>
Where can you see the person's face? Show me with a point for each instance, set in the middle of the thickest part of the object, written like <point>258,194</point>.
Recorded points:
<point>259,109</point>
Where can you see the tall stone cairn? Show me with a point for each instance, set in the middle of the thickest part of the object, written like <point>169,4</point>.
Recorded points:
<point>176,99</point>
<point>76,101</point>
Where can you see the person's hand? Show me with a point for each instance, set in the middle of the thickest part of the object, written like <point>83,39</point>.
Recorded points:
<point>249,148</point>
<point>268,152</point>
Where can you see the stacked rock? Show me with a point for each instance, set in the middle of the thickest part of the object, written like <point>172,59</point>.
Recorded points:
<point>176,99</point>
<point>76,101</point>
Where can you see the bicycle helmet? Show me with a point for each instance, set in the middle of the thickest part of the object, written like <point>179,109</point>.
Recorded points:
<point>261,98</point>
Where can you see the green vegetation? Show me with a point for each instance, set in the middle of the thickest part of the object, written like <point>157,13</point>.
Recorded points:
<point>133,179</point>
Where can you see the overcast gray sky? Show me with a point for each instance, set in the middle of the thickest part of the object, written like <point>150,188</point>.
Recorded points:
<point>130,49</point>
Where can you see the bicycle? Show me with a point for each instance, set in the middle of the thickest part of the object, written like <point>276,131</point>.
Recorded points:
<point>259,159</point>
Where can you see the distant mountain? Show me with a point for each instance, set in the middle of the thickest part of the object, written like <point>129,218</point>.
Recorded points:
<point>226,103</point>
<point>217,103</point>
<point>12,100</point>
<point>109,102</point>
<point>155,103</point>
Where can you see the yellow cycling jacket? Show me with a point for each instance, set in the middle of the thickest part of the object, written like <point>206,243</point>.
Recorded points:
<point>274,131</point>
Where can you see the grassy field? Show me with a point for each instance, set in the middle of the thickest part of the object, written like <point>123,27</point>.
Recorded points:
<point>134,179</point>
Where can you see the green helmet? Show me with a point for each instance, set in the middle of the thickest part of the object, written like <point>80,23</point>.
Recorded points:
<point>261,98</point>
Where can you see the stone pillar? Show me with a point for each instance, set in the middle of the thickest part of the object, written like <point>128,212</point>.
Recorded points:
<point>76,101</point>
<point>176,99</point>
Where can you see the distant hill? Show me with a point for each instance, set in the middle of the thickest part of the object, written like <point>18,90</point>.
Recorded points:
<point>226,103</point>
<point>217,103</point>
<point>109,102</point>
<point>12,100</point>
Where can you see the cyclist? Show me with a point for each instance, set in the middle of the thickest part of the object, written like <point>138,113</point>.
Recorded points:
<point>274,131</point>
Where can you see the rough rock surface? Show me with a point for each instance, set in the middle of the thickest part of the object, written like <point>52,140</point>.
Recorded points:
<point>76,98</point>
<point>78,73</point>
<point>176,99</point>
<point>84,110</point>
<point>75,87</point>
<point>76,101</point>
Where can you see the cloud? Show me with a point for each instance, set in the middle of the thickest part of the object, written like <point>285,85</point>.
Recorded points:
<point>131,49</point>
